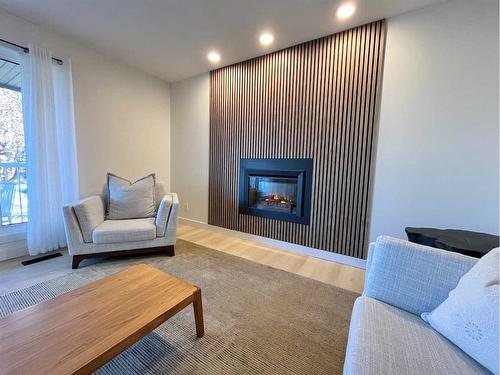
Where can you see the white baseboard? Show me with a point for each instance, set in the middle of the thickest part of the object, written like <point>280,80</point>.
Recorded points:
<point>322,254</point>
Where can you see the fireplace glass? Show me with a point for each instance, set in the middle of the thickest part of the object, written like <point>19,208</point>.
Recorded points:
<point>278,189</point>
<point>276,194</point>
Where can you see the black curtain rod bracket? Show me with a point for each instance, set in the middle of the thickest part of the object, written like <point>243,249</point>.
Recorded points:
<point>27,50</point>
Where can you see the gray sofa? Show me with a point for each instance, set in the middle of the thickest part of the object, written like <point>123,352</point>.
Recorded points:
<point>387,335</point>
<point>122,237</point>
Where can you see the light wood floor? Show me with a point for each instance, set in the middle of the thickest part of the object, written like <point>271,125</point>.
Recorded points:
<point>329,272</point>
<point>14,276</point>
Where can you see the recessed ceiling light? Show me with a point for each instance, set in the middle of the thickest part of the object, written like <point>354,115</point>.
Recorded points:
<point>213,57</point>
<point>345,10</point>
<point>266,39</point>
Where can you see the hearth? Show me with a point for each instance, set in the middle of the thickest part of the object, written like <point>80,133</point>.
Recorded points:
<point>276,188</point>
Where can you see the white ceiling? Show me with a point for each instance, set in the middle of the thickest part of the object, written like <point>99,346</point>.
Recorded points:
<point>170,38</point>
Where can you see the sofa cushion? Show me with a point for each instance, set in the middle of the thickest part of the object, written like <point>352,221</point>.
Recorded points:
<point>114,231</point>
<point>90,213</point>
<point>128,200</point>
<point>469,316</point>
<point>386,340</point>
<point>413,277</point>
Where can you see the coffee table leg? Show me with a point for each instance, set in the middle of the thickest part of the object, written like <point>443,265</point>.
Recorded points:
<point>198,313</point>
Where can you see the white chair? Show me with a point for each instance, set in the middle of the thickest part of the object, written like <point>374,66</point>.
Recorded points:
<point>121,237</point>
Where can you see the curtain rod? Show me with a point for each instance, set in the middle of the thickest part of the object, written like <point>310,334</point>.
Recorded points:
<point>26,49</point>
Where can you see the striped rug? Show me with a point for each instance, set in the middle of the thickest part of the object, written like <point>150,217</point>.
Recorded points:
<point>258,320</point>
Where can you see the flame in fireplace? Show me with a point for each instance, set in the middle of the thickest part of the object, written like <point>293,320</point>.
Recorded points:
<point>277,199</point>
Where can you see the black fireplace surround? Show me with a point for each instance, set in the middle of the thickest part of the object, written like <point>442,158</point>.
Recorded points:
<point>276,188</point>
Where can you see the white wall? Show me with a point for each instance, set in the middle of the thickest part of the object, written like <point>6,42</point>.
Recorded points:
<point>122,115</point>
<point>437,159</point>
<point>190,145</point>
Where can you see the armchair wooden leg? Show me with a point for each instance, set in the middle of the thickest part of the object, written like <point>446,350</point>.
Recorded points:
<point>76,261</point>
<point>170,250</point>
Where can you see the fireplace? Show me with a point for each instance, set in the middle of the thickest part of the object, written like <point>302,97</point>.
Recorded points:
<point>276,188</point>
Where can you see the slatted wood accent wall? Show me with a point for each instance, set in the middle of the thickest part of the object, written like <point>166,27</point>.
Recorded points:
<point>315,100</point>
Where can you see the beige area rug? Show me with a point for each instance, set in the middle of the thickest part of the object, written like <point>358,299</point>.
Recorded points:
<point>258,320</point>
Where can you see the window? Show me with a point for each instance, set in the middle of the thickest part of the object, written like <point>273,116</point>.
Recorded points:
<point>13,186</point>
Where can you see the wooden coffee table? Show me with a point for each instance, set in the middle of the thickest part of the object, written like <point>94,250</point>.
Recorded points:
<point>79,331</point>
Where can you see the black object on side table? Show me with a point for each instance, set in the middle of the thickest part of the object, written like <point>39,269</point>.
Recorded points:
<point>473,244</point>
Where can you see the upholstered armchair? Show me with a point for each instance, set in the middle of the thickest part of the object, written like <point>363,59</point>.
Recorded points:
<point>95,236</point>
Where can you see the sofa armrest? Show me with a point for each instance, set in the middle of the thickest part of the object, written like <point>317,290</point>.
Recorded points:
<point>371,248</point>
<point>166,217</point>
<point>413,277</point>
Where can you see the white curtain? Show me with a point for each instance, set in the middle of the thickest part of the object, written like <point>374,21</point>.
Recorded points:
<point>51,165</point>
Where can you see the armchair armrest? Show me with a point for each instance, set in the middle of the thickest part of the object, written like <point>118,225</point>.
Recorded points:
<point>81,218</point>
<point>166,217</point>
<point>412,277</point>
<point>72,229</point>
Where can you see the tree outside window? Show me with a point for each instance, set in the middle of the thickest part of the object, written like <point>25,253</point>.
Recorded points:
<point>13,185</point>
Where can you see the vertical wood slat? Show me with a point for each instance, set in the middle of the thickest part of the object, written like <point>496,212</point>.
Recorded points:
<point>315,100</point>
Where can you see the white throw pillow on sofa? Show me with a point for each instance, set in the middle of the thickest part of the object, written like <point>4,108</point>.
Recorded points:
<point>127,200</point>
<point>469,316</point>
